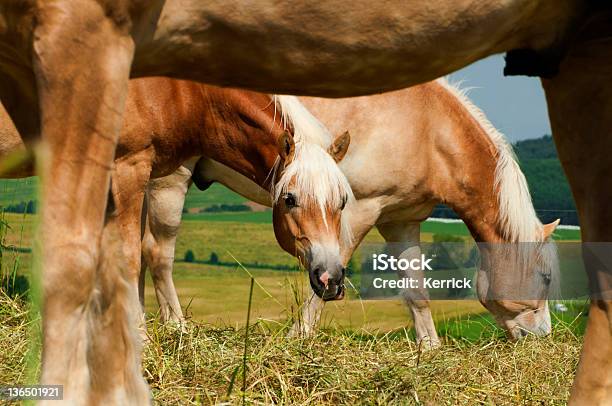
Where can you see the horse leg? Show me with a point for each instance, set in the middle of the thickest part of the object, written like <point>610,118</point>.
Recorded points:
<point>403,241</point>
<point>166,197</point>
<point>82,60</point>
<point>306,325</point>
<point>128,185</point>
<point>579,103</point>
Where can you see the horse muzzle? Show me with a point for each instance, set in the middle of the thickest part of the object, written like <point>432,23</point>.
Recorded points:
<point>326,286</point>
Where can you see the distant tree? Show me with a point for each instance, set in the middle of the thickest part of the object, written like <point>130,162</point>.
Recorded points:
<point>473,258</point>
<point>448,251</point>
<point>221,208</point>
<point>536,148</point>
<point>16,208</point>
<point>214,258</point>
<point>189,256</point>
<point>353,267</point>
<point>31,208</point>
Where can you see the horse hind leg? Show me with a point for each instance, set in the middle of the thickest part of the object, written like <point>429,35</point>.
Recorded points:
<point>403,241</point>
<point>165,200</point>
<point>158,256</point>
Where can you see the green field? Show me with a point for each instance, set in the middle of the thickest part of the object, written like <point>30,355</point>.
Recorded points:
<point>216,294</point>
<point>215,194</point>
<point>19,190</point>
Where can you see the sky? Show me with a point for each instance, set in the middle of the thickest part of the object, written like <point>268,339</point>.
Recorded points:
<point>514,104</point>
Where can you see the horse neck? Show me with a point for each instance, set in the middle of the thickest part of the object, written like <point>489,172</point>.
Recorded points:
<point>483,177</point>
<point>482,221</point>
<point>469,189</point>
<point>478,207</point>
<point>241,132</point>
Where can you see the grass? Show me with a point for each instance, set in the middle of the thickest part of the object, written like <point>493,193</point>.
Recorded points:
<point>356,368</point>
<point>260,217</point>
<point>214,293</point>
<point>215,194</point>
<point>204,365</point>
<point>17,190</point>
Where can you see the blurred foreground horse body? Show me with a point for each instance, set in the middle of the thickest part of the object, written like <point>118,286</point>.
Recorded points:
<point>64,68</point>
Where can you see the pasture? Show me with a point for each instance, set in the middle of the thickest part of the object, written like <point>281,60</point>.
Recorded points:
<point>365,352</point>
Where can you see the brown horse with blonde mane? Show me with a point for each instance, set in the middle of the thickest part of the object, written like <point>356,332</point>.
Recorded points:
<point>64,69</point>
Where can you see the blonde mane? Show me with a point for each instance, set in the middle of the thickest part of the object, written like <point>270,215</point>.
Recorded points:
<point>312,171</point>
<point>517,217</point>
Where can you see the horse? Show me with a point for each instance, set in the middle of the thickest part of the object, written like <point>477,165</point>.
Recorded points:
<point>430,144</point>
<point>65,64</point>
<point>272,140</point>
<point>410,150</point>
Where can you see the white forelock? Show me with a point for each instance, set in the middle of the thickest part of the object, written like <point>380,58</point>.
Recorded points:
<point>313,175</point>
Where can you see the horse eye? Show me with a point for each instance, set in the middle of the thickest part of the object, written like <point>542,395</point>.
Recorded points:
<point>343,203</point>
<point>290,200</point>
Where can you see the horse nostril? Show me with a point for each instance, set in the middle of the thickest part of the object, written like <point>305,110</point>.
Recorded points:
<point>317,281</point>
<point>324,277</point>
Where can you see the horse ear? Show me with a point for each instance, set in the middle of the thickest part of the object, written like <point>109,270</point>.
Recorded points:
<point>286,146</point>
<point>339,147</point>
<point>548,229</point>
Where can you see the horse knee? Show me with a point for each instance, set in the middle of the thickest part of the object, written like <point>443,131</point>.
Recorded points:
<point>70,272</point>
<point>156,261</point>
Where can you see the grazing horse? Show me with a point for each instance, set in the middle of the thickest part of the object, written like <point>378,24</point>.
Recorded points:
<point>410,150</point>
<point>415,148</point>
<point>64,69</point>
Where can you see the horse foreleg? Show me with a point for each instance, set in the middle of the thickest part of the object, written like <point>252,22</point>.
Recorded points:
<point>82,62</point>
<point>166,197</point>
<point>579,105</point>
<point>309,317</point>
<point>404,241</point>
